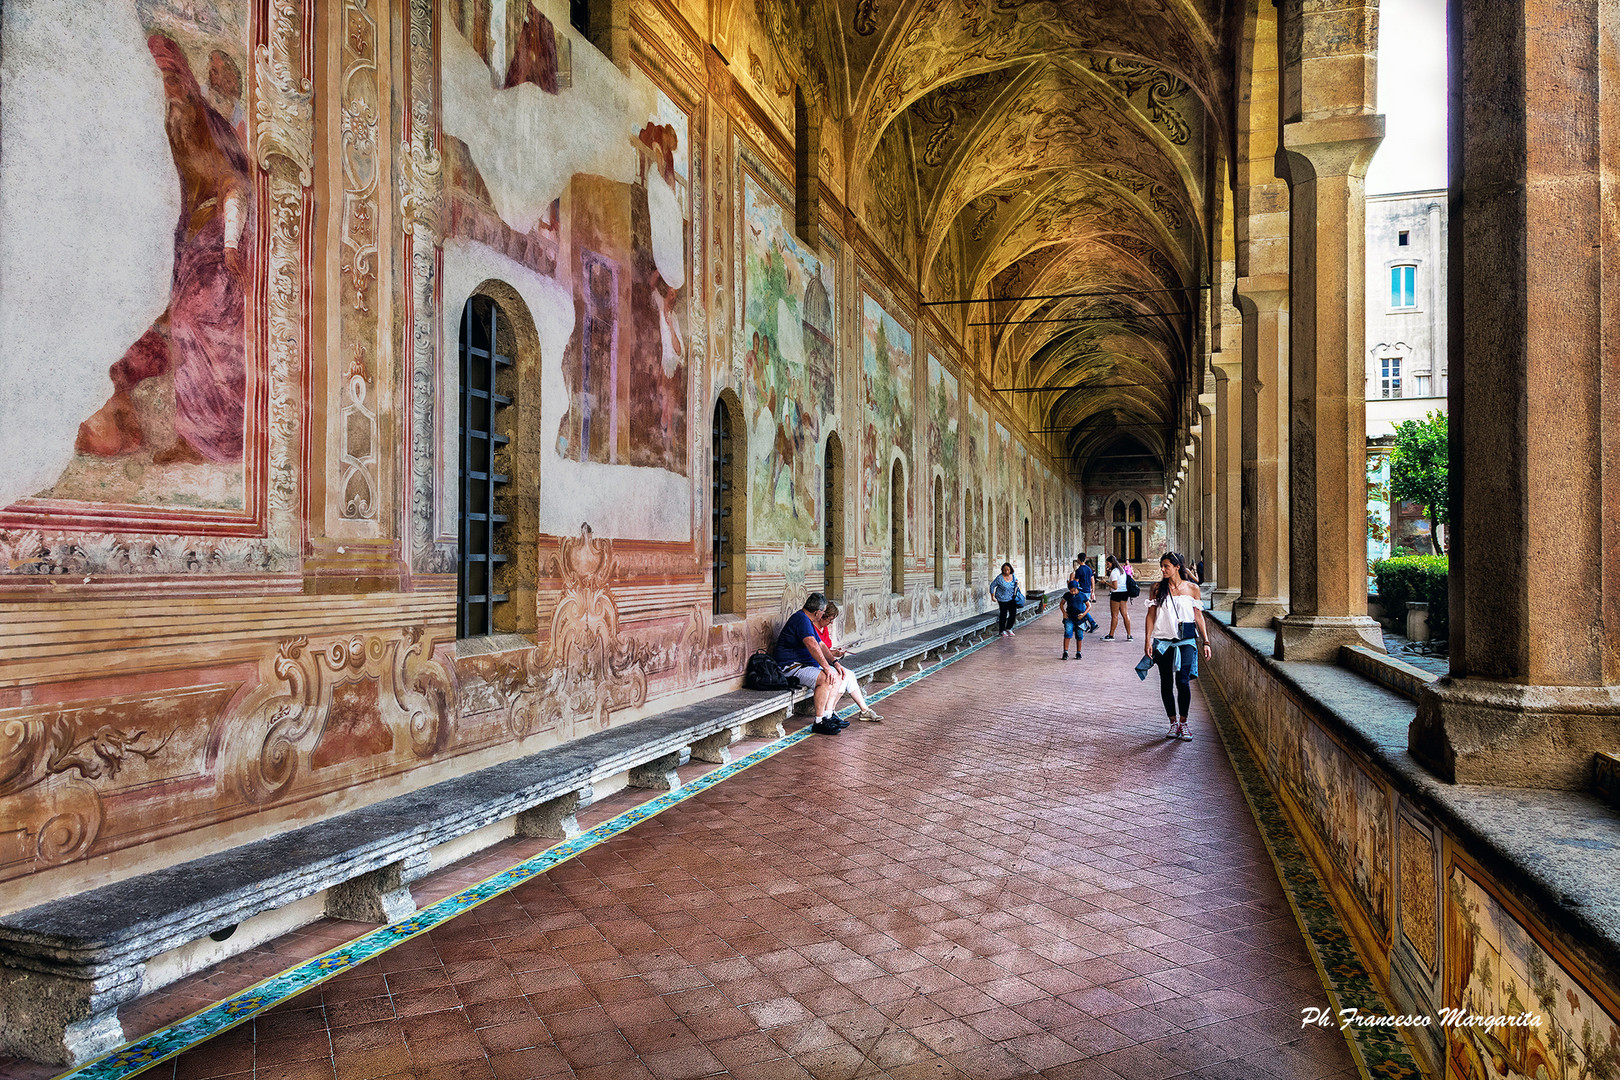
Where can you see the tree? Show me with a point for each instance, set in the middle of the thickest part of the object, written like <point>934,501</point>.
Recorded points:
<point>1419,466</point>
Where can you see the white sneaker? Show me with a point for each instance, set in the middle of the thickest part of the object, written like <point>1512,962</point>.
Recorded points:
<point>1011,634</point>
<point>1171,734</point>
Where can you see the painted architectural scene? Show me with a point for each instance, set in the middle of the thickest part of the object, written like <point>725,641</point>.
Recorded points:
<point>789,367</point>
<point>945,444</point>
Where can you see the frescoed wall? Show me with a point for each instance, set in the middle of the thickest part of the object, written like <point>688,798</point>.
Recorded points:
<point>945,444</point>
<point>789,367</point>
<point>886,371</point>
<point>231,518</point>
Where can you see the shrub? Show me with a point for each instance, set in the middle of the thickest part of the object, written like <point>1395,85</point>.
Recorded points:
<point>1420,578</point>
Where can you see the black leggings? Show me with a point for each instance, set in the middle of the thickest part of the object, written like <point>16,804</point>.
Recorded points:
<point>1182,692</point>
<point>1009,614</point>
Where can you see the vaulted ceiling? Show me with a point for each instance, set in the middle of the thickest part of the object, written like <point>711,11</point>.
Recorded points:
<point>1060,156</point>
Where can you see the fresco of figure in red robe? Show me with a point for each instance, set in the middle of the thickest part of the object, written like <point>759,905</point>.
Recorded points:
<point>201,336</point>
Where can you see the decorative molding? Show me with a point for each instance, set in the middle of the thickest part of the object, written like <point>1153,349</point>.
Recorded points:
<point>361,221</point>
<point>272,736</point>
<point>284,112</point>
<point>1163,91</point>
<point>61,553</point>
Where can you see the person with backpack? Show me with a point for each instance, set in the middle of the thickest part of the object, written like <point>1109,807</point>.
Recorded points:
<point>1175,627</point>
<point>806,661</point>
<point>1086,578</point>
<point>1005,589</point>
<point>1074,604</point>
<point>850,685</point>
<point>1120,585</point>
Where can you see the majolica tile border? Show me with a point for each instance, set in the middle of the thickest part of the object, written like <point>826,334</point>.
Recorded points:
<point>140,1054</point>
<point>1378,1052</point>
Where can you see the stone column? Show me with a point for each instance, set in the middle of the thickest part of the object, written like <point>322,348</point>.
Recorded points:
<point>1228,483</point>
<point>1325,161</point>
<point>1263,582</point>
<point>1206,481</point>
<point>1534,689</point>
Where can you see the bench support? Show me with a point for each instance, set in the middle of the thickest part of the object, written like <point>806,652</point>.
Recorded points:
<point>658,774</point>
<point>379,897</point>
<point>716,749</point>
<point>60,1019</point>
<point>553,819</point>
<point>770,727</point>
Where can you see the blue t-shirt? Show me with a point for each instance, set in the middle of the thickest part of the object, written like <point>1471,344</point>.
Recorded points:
<point>1074,605</point>
<point>790,645</point>
<point>1085,577</point>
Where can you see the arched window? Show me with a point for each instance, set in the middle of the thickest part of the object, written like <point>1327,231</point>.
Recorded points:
<point>728,525</point>
<point>939,533</point>
<point>1127,521</point>
<point>833,530</point>
<point>486,396</point>
<point>897,527</point>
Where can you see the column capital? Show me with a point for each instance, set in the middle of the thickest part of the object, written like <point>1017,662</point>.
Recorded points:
<point>1329,146</point>
<point>1261,292</point>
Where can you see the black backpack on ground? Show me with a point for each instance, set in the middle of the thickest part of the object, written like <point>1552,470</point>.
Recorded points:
<point>764,673</point>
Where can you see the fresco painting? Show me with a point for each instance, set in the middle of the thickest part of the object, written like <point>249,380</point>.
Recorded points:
<point>944,443</point>
<point>170,424</point>
<point>788,368</point>
<point>886,365</point>
<point>1494,967</point>
<point>1001,466</point>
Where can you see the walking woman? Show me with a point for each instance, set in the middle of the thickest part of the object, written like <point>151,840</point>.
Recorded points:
<point>1117,600</point>
<point>1175,630</point>
<point>851,685</point>
<point>1007,593</point>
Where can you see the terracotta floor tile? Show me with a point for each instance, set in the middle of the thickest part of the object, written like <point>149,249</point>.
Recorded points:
<point>1000,880</point>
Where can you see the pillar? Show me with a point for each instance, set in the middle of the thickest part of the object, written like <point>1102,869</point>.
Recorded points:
<point>1206,483</point>
<point>1228,456</point>
<point>1534,689</point>
<point>1263,583</point>
<point>1330,130</point>
<point>1326,165</point>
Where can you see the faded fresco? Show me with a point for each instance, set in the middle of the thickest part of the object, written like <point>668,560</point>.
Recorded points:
<point>886,367</point>
<point>788,368</point>
<point>944,443</point>
<point>594,234</point>
<point>153,373</point>
<point>1495,968</point>
<point>1001,463</point>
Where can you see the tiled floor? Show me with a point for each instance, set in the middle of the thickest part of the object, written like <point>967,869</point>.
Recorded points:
<point>1014,876</point>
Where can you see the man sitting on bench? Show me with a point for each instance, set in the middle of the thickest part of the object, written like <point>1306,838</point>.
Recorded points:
<point>806,661</point>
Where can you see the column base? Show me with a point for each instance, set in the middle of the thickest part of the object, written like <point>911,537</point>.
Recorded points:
<point>1472,731</point>
<point>60,1019</point>
<point>1258,611</point>
<point>1317,638</point>
<point>377,897</point>
<point>1223,599</point>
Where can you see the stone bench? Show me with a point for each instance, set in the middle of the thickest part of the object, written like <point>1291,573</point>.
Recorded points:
<point>68,965</point>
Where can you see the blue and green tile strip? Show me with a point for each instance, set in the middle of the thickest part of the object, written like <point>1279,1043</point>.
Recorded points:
<point>1380,1053</point>
<point>165,1043</point>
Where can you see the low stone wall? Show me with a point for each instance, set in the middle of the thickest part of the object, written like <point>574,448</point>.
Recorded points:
<point>1490,901</point>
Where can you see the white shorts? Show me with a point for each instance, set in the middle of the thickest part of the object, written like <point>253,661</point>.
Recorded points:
<point>805,676</point>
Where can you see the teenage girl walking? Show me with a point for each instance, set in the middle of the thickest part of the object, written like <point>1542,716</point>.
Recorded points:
<point>1175,628</point>
<point>1118,599</point>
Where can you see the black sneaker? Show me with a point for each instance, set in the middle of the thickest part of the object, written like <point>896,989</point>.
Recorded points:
<point>1065,656</point>
<point>840,721</point>
<point>828,726</point>
<point>1108,637</point>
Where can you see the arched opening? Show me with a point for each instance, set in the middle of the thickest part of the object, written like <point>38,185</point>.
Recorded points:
<point>897,528</point>
<point>939,533</point>
<point>832,541</point>
<point>728,455</point>
<point>1127,523</point>
<point>498,490</point>
<point>1029,554</point>
<point>969,537</point>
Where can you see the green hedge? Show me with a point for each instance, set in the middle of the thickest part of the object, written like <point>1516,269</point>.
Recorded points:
<point>1421,578</point>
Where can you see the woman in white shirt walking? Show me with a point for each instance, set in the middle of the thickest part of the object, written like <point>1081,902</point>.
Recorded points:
<point>1175,624</point>
<point>1118,599</point>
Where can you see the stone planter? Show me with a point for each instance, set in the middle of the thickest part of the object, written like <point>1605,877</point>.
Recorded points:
<point>1417,621</point>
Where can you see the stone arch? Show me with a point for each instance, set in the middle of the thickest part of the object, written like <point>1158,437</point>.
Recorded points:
<point>728,478</point>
